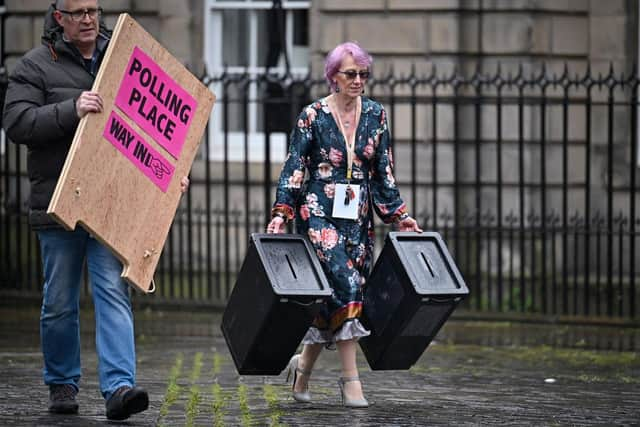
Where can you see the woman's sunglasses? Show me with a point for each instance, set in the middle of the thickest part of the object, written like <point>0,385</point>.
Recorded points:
<point>351,74</point>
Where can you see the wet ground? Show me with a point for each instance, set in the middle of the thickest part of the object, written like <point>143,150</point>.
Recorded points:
<point>475,373</point>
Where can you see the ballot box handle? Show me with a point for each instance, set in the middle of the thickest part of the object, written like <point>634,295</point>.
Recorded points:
<point>304,304</point>
<point>437,300</point>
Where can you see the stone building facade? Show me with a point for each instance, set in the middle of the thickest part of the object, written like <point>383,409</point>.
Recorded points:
<point>418,36</point>
<point>404,36</point>
<point>415,36</point>
<point>176,24</point>
<point>465,32</point>
<point>398,33</point>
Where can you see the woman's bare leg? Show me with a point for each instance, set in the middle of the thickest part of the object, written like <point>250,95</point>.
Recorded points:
<point>308,357</point>
<point>347,351</point>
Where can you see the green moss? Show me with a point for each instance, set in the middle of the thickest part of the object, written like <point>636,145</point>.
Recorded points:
<point>543,354</point>
<point>197,367</point>
<point>628,380</point>
<point>576,357</point>
<point>220,399</point>
<point>192,405</point>
<point>173,389</point>
<point>271,396</point>
<point>194,391</point>
<point>218,361</point>
<point>591,378</point>
<point>243,401</point>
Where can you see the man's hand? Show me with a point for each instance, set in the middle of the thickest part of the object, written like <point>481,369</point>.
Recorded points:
<point>184,184</point>
<point>88,102</point>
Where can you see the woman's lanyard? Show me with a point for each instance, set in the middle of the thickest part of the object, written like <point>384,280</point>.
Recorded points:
<point>350,142</point>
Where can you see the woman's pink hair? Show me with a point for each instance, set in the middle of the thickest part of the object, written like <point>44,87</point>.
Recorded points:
<point>334,60</point>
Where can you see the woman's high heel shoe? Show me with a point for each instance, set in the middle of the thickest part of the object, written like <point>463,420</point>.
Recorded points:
<point>298,396</point>
<point>347,401</point>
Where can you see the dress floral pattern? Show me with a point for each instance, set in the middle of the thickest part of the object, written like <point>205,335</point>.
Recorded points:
<point>344,247</point>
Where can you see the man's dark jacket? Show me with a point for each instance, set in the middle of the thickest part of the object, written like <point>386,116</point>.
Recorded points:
<point>40,110</point>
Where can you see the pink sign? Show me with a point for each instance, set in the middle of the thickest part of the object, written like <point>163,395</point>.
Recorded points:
<point>138,151</point>
<point>153,100</point>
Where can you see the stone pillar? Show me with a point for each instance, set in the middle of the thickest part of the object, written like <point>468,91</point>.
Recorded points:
<point>181,30</point>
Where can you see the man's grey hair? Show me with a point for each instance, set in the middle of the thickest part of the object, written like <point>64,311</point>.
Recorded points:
<point>61,4</point>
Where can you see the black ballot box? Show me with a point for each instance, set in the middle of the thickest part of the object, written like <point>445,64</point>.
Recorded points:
<point>278,292</point>
<point>412,290</point>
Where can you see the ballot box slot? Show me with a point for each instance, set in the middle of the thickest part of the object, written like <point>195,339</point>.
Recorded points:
<point>425,258</point>
<point>293,271</point>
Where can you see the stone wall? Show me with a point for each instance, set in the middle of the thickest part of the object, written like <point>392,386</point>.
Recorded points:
<point>462,34</point>
<point>470,35</point>
<point>479,32</point>
<point>477,35</point>
<point>178,25</point>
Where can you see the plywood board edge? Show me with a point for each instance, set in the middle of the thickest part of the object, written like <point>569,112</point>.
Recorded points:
<point>71,225</point>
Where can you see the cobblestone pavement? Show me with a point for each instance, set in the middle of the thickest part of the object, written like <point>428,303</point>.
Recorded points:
<point>473,374</point>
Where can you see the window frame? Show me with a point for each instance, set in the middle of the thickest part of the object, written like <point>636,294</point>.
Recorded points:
<point>213,48</point>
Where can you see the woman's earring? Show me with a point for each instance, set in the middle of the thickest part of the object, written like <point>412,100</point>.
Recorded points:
<point>337,87</point>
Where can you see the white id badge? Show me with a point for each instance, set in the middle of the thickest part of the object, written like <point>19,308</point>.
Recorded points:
<point>346,201</point>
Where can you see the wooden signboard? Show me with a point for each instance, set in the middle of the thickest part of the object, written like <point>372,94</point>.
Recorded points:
<point>121,179</point>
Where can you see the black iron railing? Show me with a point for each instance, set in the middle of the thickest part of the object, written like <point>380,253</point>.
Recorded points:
<point>530,177</point>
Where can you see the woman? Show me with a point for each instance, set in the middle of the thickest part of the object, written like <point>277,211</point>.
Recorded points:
<point>343,142</point>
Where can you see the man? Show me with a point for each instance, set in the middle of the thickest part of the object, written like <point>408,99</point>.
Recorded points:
<point>49,92</point>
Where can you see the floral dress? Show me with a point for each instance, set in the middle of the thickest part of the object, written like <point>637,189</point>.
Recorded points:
<point>343,246</point>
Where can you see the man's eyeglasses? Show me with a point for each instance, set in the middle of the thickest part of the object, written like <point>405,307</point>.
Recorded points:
<point>351,74</point>
<point>78,15</point>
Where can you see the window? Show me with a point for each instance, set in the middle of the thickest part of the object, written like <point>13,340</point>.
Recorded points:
<point>239,40</point>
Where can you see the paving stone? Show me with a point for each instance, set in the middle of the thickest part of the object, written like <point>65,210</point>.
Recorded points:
<point>475,373</point>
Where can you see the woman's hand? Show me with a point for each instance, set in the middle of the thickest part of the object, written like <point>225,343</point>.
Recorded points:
<point>409,224</point>
<point>276,226</point>
<point>184,184</point>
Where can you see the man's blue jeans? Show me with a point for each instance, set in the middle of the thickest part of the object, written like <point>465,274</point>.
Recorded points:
<point>63,255</point>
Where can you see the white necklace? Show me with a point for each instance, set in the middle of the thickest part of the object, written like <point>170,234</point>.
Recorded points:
<point>347,122</point>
